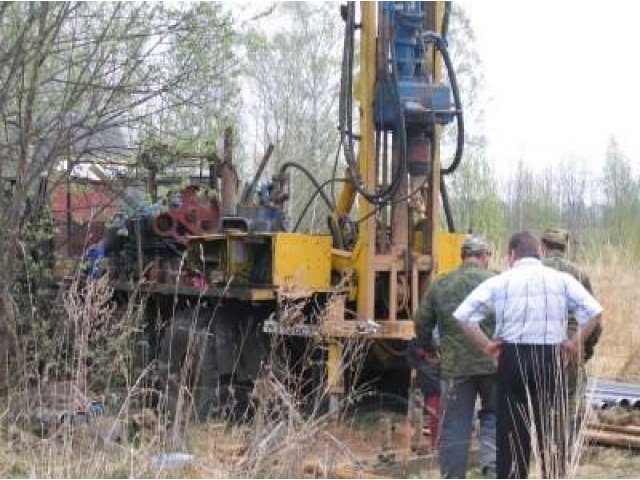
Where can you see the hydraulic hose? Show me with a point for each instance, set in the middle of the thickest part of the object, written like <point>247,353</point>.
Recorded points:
<point>311,178</point>
<point>394,201</point>
<point>346,118</point>
<point>446,206</point>
<point>441,45</point>
<point>312,198</point>
<point>445,20</point>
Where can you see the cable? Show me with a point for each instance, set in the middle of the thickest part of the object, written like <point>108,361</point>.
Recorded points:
<point>441,45</point>
<point>446,206</point>
<point>334,172</point>
<point>311,178</point>
<point>346,119</point>
<point>313,196</point>
<point>397,200</point>
<point>445,20</point>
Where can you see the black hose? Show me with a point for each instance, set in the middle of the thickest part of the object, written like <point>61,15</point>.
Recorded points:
<point>311,178</point>
<point>441,45</point>
<point>445,20</point>
<point>345,118</point>
<point>394,201</point>
<point>446,205</point>
<point>312,198</point>
<point>334,172</point>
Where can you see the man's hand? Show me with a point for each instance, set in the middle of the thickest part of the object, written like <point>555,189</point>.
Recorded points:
<point>570,349</point>
<point>492,350</point>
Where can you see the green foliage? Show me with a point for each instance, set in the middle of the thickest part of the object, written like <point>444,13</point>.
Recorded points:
<point>294,75</point>
<point>621,193</point>
<point>475,199</point>
<point>203,49</point>
<point>82,77</point>
<point>297,100</point>
<point>596,209</point>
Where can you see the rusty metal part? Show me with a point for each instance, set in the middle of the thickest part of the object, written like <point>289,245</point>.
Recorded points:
<point>228,187</point>
<point>228,145</point>
<point>229,176</point>
<point>399,210</point>
<point>192,215</point>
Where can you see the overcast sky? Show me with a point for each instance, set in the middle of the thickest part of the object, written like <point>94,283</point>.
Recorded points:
<point>562,77</point>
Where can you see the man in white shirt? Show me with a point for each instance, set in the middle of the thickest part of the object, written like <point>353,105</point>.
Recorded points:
<point>531,304</point>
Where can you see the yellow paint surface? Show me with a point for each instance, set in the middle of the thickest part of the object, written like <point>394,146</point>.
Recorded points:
<point>302,261</point>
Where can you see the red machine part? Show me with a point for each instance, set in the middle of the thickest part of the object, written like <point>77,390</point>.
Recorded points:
<point>193,215</point>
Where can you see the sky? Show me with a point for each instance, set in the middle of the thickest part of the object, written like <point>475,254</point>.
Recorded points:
<point>561,79</point>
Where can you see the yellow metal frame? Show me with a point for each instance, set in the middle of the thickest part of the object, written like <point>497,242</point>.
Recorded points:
<point>362,262</point>
<point>302,261</point>
<point>365,92</point>
<point>449,246</point>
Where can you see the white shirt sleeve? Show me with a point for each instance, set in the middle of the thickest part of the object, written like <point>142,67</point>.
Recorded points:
<point>478,304</point>
<point>580,302</point>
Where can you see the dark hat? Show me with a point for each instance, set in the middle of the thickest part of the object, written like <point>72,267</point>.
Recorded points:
<point>557,236</point>
<point>474,245</point>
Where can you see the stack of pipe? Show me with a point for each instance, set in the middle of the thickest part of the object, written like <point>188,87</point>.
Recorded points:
<point>603,393</point>
<point>620,430</point>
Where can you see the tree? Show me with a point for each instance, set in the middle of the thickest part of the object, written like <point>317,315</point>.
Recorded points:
<point>72,74</point>
<point>294,75</point>
<point>209,100</point>
<point>476,204</point>
<point>530,199</point>
<point>621,197</point>
<point>572,183</point>
<point>468,67</point>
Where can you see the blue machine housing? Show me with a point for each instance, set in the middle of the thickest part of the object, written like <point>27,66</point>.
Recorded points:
<point>421,101</point>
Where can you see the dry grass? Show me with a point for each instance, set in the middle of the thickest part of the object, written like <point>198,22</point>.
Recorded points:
<point>602,462</point>
<point>615,282</point>
<point>282,444</point>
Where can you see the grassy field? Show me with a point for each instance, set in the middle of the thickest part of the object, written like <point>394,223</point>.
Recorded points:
<point>322,445</point>
<point>615,281</point>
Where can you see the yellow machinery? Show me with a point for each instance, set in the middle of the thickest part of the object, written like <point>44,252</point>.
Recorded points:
<point>399,245</point>
<point>234,259</point>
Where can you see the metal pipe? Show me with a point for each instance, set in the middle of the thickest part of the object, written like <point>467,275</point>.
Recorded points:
<point>248,191</point>
<point>602,393</point>
<point>228,187</point>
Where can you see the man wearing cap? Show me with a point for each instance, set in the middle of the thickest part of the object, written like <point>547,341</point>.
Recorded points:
<point>554,247</point>
<point>466,372</point>
<point>531,304</point>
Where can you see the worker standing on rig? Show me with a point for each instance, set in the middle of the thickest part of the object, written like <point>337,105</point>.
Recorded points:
<point>555,242</point>
<point>466,372</point>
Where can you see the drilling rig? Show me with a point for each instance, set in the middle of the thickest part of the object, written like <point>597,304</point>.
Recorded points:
<point>222,262</point>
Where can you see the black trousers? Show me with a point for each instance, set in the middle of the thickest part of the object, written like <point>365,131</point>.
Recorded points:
<point>531,400</point>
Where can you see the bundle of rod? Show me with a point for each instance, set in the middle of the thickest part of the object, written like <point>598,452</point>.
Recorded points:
<point>602,436</point>
<point>603,393</point>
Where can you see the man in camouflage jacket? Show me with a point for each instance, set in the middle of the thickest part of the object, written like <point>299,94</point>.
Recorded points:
<point>466,371</point>
<point>555,242</point>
